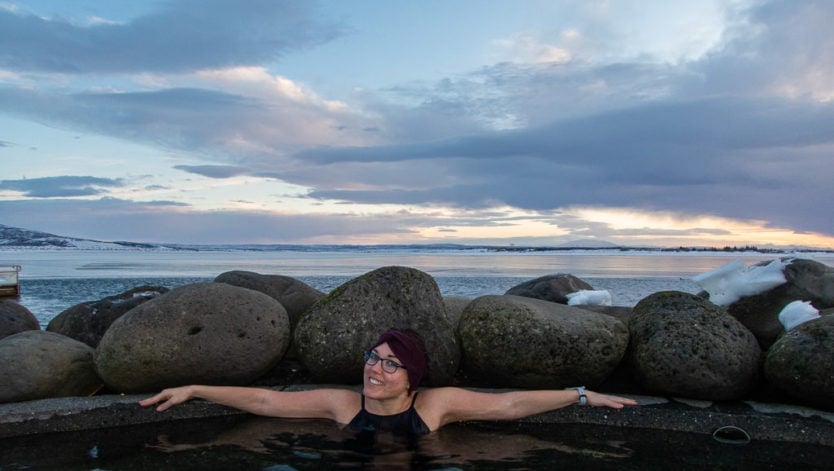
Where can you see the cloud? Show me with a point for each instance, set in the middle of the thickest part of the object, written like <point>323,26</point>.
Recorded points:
<point>162,221</point>
<point>733,133</point>
<point>181,36</point>
<point>778,47</point>
<point>527,48</point>
<point>214,122</point>
<point>166,221</point>
<point>743,130</point>
<point>690,155</point>
<point>213,171</point>
<point>60,187</point>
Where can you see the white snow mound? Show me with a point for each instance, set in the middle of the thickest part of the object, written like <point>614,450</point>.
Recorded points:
<point>731,282</point>
<point>587,297</point>
<point>797,312</point>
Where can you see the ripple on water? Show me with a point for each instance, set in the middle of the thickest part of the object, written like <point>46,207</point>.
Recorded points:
<point>245,442</point>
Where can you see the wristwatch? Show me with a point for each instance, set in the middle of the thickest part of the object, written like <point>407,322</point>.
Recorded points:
<point>583,398</point>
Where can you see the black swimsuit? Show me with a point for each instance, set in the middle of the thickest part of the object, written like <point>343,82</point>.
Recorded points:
<point>407,422</point>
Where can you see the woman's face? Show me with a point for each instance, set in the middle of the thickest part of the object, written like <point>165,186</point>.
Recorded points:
<point>380,384</point>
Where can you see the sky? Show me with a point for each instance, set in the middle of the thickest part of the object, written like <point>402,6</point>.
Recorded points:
<point>534,122</point>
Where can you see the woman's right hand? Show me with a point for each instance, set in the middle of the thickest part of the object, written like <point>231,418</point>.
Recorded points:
<point>168,398</point>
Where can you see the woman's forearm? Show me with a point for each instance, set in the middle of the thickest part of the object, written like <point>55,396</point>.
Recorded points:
<point>335,404</point>
<point>525,403</point>
<point>246,399</point>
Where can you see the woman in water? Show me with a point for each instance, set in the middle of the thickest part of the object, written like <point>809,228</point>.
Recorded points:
<point>394,367</point>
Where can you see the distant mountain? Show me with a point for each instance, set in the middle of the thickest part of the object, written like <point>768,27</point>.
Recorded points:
<point>14,237</point>
<point>588,244</point>
<point>25,238</point>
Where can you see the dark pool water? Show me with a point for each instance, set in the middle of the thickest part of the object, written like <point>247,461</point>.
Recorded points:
<point>275,444</point>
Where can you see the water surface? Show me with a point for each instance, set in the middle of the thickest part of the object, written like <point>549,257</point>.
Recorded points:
<point>54,280</point>
<point>279,444</point>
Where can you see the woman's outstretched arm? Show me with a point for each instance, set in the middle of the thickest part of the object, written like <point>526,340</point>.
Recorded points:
<point>335,404</point>
<point>446,405</point>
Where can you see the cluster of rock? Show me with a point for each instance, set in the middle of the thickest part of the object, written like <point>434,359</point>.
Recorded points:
<point>239,328</point>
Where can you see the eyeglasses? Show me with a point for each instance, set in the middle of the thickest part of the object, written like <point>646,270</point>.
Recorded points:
<point>388,366</point>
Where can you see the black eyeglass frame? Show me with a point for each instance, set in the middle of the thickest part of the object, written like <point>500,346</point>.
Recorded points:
<point>389,366</point>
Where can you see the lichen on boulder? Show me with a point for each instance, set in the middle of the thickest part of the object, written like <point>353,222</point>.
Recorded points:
<point>515,341</point>
<point>36,364</point>
<point>16,318</point>
<point>87,322</point>
<point>207,333</point>
<point>801,363</point>
<point>332,336</point>
<point>554,288</point>
<point>684,345</point>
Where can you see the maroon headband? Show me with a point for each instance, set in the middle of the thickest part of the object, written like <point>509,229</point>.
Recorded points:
<point>410,353</point>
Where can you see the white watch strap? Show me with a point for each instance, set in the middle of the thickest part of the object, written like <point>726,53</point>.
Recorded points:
<point>583,398</point>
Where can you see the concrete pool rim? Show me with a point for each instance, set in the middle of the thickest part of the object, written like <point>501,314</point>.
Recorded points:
<point>756,420</point>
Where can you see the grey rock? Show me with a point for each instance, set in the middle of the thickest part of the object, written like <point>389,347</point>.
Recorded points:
<point>334,333</point>
<point>622,313</point>
<point>296,296</point>
<point>87,322</point>
<point>36,364</point>
<point>801,363</point>
<point>210,333</point>
<point>514,341</point>
<point>454,308</point>
<point>554,288</point>
<point>807,280</point>
<point>684,345</point>
<point>15,318</point>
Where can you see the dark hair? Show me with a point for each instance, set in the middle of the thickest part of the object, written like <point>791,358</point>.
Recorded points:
<point>408,346</point>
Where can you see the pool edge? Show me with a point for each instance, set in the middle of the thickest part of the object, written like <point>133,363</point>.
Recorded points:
<point>762,421</point>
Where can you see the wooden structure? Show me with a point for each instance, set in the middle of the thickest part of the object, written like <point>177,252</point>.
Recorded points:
<point>9,280</point>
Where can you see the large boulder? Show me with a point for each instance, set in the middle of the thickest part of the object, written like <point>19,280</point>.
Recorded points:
<point>334,333</point>
<point>513,341</point>
<point>807,280</point>
<point>454,308</point>
<point>554,288</point>
<point>622,313</point>
<point>801,363</point>
<point>684,345</point>
<point>36,365</point>
<point>296,296</point>
<point>15,318</point>
<point>87,322</point>
<point>210,333</point>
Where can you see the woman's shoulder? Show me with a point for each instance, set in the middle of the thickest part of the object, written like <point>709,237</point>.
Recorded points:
<point>442,397</point>
<point>440,406</point>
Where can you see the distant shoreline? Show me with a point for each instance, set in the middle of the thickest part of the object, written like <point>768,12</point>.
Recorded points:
<point>15,238</point>
<point>128,246</point>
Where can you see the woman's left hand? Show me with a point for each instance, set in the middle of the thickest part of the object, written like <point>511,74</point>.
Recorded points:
<point>605,400</point>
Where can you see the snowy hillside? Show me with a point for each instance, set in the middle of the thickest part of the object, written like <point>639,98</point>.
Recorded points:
<point>14,237</point>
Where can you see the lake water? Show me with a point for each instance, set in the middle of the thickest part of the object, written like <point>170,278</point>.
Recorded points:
<point>54,280</point>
